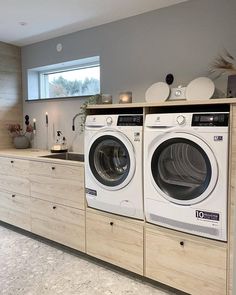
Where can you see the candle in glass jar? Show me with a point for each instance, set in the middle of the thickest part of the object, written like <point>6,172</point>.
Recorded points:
<point>46,118</point>
<point>125,97</point>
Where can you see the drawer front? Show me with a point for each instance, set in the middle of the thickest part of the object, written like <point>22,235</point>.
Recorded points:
<point>57,170</point>
<point>14,175</point>
<point>193,265</point>
<point>14,167</point>
<point>58,183</point>
<point>15,210</point>
<point>115,241</point>
<point>16,184</point>
<point>59,223</point>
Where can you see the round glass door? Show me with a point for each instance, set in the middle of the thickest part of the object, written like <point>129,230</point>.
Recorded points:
<point>182,170</point>
<point>110,161</point>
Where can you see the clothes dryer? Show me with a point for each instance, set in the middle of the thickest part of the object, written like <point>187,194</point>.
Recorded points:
<point>185,174</point>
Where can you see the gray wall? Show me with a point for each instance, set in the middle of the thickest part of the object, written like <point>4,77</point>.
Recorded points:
<point>135,53</point>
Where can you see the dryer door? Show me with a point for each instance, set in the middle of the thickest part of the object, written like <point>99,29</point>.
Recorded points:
<point>183,168</point>
<point>111,160</point>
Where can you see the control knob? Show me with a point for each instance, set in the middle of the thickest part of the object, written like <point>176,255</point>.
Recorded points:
<point>109,120</point>
<point>181,120</point>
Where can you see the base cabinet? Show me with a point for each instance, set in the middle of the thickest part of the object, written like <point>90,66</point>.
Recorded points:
<point>191,264</point>
<point>116,240</point>
<point>14,209</point>
<point>59,223</point>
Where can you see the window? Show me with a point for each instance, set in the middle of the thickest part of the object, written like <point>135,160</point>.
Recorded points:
<point>74,78</point>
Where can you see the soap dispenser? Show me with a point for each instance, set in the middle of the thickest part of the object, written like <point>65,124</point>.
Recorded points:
<point>60,145</point>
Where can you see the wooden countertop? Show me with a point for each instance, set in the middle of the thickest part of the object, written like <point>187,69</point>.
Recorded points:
<point>165,103</point>
<point>36,154</point>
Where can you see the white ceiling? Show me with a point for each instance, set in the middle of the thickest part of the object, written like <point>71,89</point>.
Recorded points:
<point>53,18</point>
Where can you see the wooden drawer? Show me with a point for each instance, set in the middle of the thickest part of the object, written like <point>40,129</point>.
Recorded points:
<point>57,183</point>
<point>14,167</point>
<point>15,210</point>
<point>14,175</point>
<point>115,240</point>
<point>191,264</point>
<point>59,223</point>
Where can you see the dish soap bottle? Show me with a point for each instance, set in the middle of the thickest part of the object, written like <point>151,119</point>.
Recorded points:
<point>64,144</point>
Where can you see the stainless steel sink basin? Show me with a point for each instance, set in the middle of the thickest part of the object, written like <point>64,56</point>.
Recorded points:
<point>66,156</point>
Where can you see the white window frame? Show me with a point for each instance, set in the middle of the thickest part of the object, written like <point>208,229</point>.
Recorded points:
<point>43,89</point>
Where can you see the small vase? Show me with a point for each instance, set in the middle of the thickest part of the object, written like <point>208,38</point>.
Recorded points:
<point>21,142</point>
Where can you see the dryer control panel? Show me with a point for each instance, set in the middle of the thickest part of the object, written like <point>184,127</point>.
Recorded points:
<point>211,119</point>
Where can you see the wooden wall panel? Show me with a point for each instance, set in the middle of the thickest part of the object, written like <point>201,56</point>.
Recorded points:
<point>10,90</point>
<point>231,203</point>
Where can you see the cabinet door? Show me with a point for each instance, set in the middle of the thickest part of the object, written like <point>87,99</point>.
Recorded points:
<point>15,209</point>
<point>59,223</point>
<point>191,264</point>
<point>57,183</point>
<point>115,240</point>
<point>14,175</point>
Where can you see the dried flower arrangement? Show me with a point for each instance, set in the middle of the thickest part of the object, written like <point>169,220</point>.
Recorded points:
<point>16,130</point>
<point>223,64</point>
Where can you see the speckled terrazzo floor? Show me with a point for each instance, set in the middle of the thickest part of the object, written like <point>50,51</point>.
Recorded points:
<point>31,267</point>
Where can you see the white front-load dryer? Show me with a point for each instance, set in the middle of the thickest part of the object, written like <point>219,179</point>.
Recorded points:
<point>185,172</point>
<point>113,164</point>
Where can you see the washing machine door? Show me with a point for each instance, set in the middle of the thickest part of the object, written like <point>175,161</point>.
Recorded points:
<point>183,168</point>
<point>111,159</point>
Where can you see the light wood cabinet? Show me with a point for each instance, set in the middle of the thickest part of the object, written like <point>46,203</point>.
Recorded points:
<point>61,188</point>
<point>14,175</point>
<point>14,209</point>
<point>58,183</point>
<point>59,223</point>
<point>15,192</point>
<point>191,264</point>
<point>114,239</point>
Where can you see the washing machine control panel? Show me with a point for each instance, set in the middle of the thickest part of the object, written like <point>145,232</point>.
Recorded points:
<point>130,120</point>
<point>212,119</point>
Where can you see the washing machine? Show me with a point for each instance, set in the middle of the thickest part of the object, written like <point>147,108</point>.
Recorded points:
<point>113,164</point>
<point>185,174</point>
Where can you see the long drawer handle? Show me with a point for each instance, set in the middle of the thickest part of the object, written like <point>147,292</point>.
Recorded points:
<point>54,207</point>
<point>13,196</point>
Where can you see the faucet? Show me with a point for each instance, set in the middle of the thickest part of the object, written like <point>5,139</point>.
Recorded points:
<point>73,121</point>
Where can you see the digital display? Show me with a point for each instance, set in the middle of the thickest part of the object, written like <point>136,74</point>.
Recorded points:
<point>206,118</point>
<point>215,119</point>
<point>130,120</point>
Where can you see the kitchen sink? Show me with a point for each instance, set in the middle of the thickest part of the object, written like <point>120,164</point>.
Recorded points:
<point>66,156</point>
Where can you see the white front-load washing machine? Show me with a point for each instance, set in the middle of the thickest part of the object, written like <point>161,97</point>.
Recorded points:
<point>113,164</point>
<point>185,172</point>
